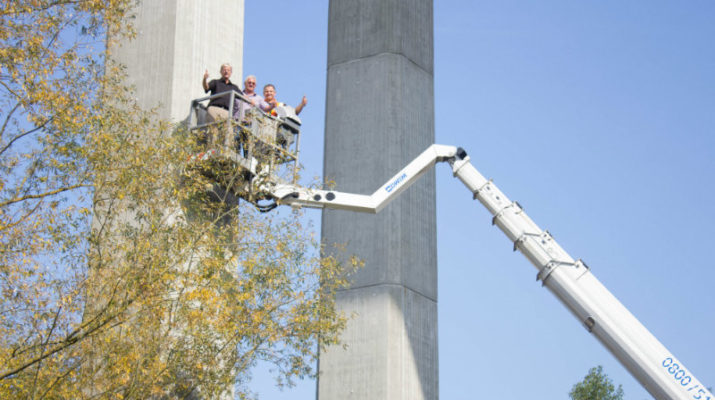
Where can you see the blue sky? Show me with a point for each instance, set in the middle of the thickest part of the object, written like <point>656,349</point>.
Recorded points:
<point>599,118</point>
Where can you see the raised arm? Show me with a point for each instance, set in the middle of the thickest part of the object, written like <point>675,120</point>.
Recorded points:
<point>300,106</point>
<point>204,82</point>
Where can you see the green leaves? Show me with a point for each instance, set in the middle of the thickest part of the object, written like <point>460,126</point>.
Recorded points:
<point>596,385</point>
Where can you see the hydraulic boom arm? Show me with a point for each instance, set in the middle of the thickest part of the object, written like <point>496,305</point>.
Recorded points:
<point>660,373</point>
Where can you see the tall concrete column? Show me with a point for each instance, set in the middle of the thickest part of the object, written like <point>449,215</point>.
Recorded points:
<point>379,116</point>
<point>177,40</point>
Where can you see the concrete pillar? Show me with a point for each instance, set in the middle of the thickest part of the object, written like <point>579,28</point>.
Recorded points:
<point>379,116</point>
<point>177,40</point>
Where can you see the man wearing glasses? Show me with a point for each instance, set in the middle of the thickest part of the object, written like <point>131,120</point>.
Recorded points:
<point>249,90</point>
<point>219,106</point>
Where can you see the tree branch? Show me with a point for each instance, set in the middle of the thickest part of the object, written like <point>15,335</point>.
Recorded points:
<point>20,136</point>
<point>42,195</point>
<point>7,120</point>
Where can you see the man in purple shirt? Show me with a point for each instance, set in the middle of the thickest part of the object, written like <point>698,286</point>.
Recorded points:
<point>249,92</point>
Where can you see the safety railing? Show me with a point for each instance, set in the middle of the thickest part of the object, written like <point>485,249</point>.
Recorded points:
<point>248,143</point>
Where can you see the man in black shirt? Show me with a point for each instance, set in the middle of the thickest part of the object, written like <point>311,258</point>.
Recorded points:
<point>219,106</point>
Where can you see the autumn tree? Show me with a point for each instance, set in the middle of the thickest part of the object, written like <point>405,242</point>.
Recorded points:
<point>122,274</point>
<point>596,385</point>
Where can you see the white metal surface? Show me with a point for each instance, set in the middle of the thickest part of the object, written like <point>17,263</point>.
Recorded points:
<point>660,373</point>
<point>298,196</point>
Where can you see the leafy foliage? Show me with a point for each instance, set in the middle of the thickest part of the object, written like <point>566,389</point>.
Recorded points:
<point>119,278</point>
<point>596,385</point>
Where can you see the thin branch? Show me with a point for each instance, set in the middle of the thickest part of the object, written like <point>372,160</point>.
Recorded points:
<point>58,379</point>
<point>42,195</point>
<point>44,8</point>
<point>70,340</point>
<point>7,119</point>
<point>20,136</point>
<point>42,349</point>
<point>21,220</point>
<point>9,89</point>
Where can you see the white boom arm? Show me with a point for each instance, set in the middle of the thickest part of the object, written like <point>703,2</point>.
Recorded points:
<point>297,196</point>
<point>660,373</point>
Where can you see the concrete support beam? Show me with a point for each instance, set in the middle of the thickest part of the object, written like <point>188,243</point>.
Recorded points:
<point>379,116</point>
<point>177,40</point>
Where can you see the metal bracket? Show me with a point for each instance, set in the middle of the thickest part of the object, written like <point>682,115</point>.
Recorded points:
<point>476,192</point>
<point>544,273</point>
<point>523,237</point>
<point>501,212</point>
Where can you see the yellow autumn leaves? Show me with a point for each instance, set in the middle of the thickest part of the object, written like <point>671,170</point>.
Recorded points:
<point>118,277</point>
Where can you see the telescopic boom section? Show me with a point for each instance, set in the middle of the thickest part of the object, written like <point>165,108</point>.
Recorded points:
<point>660,373</point>
<point>297,196</point>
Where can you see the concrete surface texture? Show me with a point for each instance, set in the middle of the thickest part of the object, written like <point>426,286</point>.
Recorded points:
<point>379,116</point>
<point>177,40</point>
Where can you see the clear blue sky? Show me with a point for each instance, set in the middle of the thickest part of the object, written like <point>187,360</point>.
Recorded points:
<point>599,118</point>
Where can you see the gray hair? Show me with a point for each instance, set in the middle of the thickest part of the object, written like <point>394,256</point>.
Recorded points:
<point>225,65</point>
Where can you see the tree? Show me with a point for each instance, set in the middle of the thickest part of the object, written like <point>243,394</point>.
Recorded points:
<point>596,385</point>
<point>119,275</point>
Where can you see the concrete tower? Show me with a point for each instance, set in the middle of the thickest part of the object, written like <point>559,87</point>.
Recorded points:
<point>379,116</point>
<point>177,40</point>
